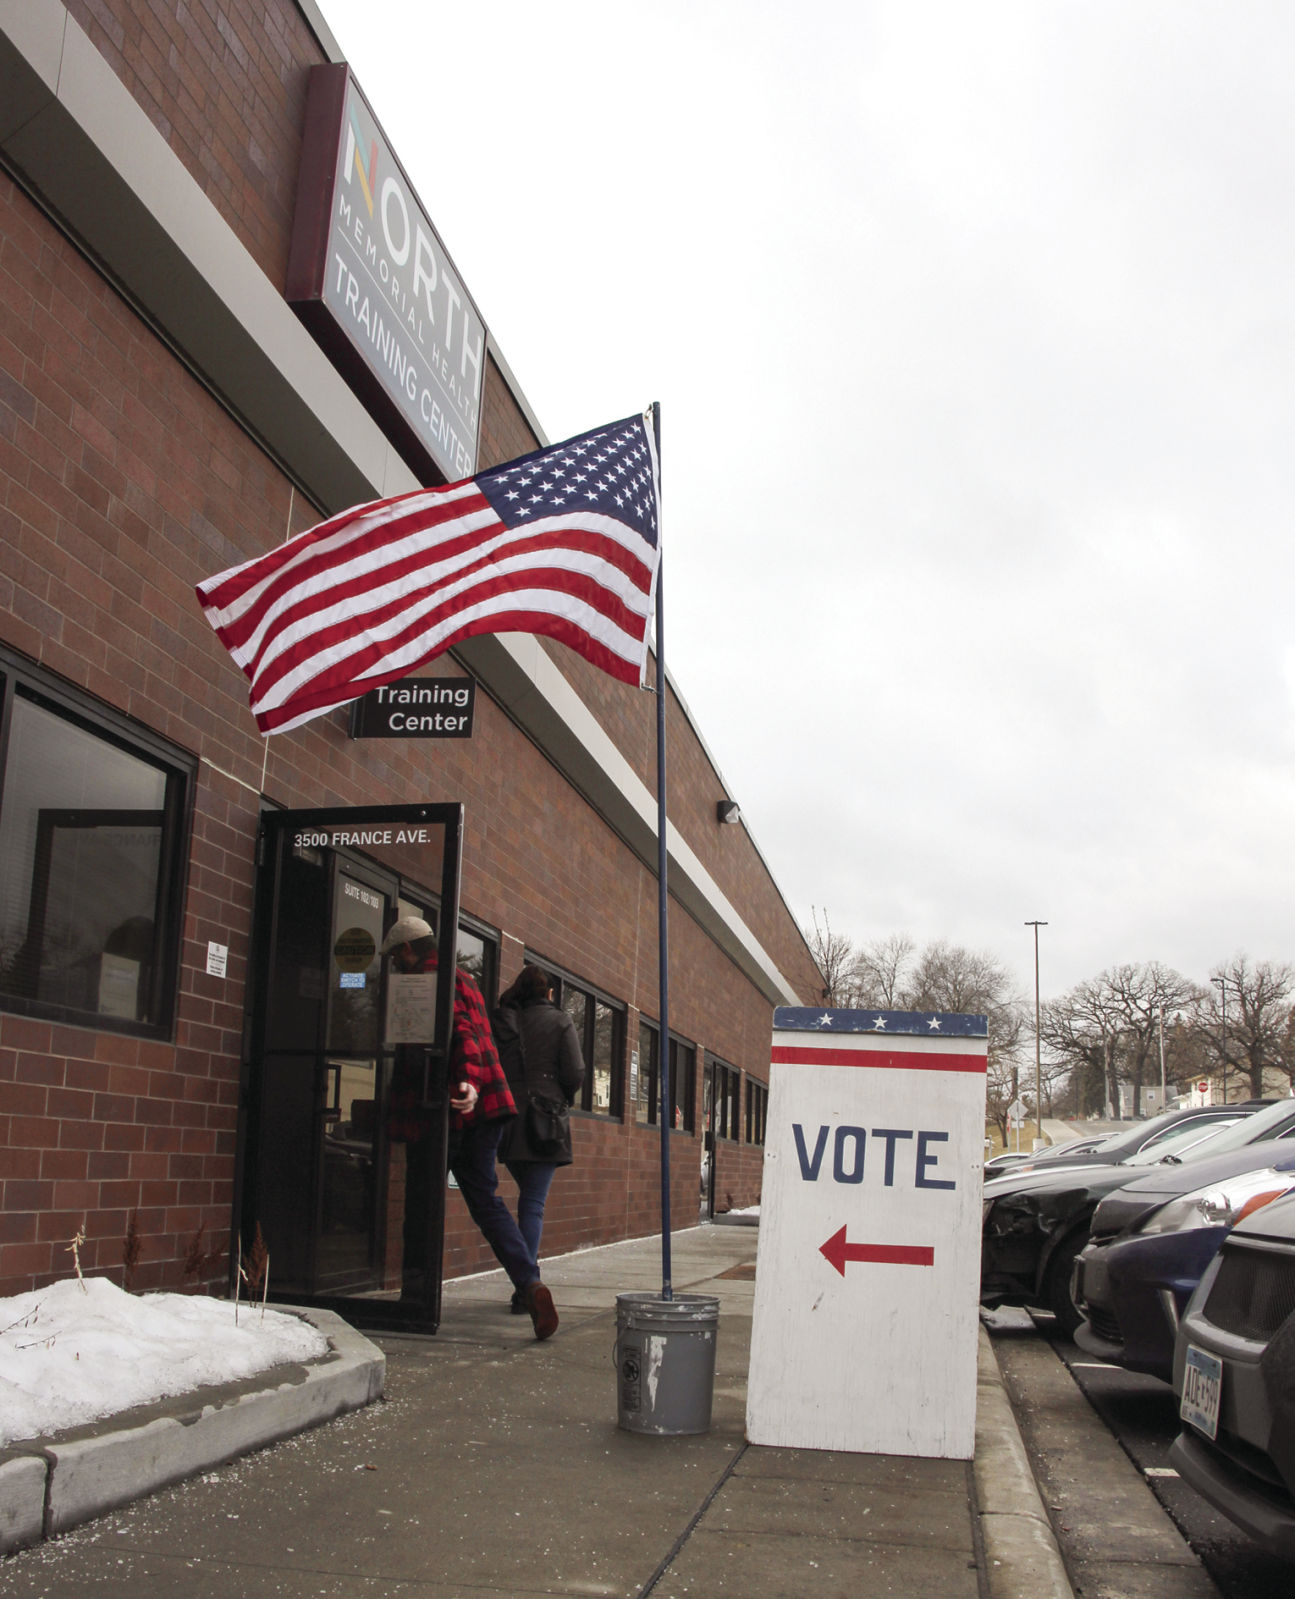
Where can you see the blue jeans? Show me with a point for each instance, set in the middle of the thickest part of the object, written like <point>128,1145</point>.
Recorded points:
<point>472,1161</point>
<point>533,1179</point>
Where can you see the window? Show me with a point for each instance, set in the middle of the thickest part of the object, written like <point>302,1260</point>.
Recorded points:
<point>683,1079</point>
<point>757,1110</point>
<point>478,949</point>
<point>728,1103</point>
<point>92,814</point>
<point>478,955</point>
<point>600,1027</point>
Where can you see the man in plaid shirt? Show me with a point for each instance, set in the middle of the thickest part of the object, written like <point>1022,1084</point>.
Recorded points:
<point>480,1104</point>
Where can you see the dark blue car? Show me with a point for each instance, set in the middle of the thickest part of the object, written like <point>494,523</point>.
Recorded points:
<point>1152,1239</point>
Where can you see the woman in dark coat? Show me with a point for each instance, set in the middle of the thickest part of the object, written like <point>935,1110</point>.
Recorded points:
<point>549,1064</point>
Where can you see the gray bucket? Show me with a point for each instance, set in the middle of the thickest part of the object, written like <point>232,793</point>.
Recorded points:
<point>665,1362</point>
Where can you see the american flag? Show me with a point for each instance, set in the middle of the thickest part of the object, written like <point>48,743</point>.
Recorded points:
<point>562,542</point>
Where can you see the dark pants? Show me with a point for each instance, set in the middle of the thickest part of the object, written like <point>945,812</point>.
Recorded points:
<point>472,1161</point>
<point>533,1179</point>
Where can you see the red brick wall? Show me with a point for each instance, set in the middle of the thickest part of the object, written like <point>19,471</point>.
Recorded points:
<point>224,83</point>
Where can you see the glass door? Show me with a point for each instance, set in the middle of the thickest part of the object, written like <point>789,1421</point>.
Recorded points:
<point>353,1168</point>
<point>325,1171</point>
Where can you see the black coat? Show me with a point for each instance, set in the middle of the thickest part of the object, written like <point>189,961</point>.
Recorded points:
<point>554,1067</point>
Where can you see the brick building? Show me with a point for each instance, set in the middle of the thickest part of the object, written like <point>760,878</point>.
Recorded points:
<point>173,1044</point>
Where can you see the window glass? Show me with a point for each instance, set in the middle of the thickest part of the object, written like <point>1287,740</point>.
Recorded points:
<point>728,1085</point>
<point>645,1102</point>
<point>683,1084</point>
<point>683,1079</point>
<point>477,954</point>
<point>600,1027</point>
<point>85,873</point>
<point>757,1106</point>
<point>575,1003</point>
<point>602,1059</point>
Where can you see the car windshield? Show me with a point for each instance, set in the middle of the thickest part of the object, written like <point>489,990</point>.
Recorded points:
<point>1074,1146</point>
<point>1273,1121</point>
<point>1176,1145</point>
<point>1159,1129</point>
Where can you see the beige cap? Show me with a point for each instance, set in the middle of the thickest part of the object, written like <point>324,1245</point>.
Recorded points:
<point>408,930</point>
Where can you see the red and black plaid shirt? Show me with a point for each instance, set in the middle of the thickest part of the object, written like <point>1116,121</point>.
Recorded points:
<point>473,1059</point>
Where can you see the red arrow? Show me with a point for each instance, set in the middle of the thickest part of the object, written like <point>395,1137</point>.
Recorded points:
<point>836,1251</point>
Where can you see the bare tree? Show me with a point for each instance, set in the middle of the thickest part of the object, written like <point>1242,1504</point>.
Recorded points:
<point>1142,995</point>
<point>834,955</point>
<point>1081,1028</point>
<point>1108,1029</point>
<point>890,974</point>
<point>881,967</point>
<point>949,977</point>
<point>1246,1016</point>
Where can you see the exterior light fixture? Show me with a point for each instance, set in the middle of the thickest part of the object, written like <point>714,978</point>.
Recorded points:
<point>728,811</point>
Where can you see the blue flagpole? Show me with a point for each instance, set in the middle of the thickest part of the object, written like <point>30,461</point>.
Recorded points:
<point>663,936</point>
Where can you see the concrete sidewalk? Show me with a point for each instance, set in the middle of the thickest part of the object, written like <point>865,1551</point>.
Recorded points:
<point>495,1466</point>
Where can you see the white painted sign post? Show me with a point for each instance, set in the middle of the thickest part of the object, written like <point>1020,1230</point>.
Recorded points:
<point>868,1267</point>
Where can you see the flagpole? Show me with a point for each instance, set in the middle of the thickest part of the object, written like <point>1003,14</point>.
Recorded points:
<point>663,937</point>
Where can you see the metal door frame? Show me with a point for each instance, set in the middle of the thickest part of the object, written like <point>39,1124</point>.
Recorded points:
<point>275,836</point>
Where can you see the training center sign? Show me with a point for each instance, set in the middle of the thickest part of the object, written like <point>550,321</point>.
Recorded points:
<point>866,1298</point>
<point>369,275</point>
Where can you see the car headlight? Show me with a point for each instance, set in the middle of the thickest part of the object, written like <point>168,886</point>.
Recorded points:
<point>1220,1205</point>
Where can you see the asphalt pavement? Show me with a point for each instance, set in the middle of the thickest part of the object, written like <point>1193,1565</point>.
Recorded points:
<point>495,1465</point>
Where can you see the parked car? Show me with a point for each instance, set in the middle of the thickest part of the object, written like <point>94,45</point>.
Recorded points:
<point>996,1165</point>
<point>1234,1372</point>
<point>1010,1159</point>
<point>1151,1240</point>
<point>1035,1223</point>
<point>1133,1140</point>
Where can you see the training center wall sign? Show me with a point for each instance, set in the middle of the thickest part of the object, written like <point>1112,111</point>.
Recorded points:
<point>416,707</point>
<point>866,1317</point>
<point>369,276</point>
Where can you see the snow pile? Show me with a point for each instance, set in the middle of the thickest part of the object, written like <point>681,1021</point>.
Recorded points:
<point>70,1355</point>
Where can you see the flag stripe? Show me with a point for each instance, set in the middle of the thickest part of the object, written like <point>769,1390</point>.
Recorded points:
<point>373,598</point>
<point>336,657</point>
<point>314,700</point>
<point>563,542</point>
<point>319,564</point>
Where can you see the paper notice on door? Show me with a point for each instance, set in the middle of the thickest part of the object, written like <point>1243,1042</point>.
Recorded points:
<point>411,1007</point>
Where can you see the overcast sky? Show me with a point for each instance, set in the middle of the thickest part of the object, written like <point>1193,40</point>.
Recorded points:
<point>973,331</point>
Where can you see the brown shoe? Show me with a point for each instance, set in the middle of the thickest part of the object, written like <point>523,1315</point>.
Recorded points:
<point>544,1318</point>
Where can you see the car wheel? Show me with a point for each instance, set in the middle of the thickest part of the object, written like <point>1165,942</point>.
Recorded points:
<point>1056,1285</point>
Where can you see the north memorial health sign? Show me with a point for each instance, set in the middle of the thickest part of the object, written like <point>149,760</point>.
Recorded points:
<point>866,1315</point>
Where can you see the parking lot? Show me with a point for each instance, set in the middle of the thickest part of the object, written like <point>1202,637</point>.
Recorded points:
<point>1099,1441</point>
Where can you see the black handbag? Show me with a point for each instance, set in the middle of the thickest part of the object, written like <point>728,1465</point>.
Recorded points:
<point>546,1124</point>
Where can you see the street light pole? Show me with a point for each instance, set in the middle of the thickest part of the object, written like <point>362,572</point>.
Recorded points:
<point>1038,1069</point>
<point>1164,1092</point>
<point>1222,983</point>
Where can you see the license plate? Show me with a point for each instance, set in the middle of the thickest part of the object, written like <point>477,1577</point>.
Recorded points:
<point>1202,1385</point>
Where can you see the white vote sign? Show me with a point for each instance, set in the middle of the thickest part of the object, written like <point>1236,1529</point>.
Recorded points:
<point>868,1269</point>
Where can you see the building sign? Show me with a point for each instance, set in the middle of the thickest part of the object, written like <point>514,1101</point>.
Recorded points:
<point>369,275</point>
<point>866,1317</point>
<point>417,707</point>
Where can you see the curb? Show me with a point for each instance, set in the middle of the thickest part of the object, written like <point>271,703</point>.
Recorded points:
<point>1022,1558</point>
<point>47,1487</point>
